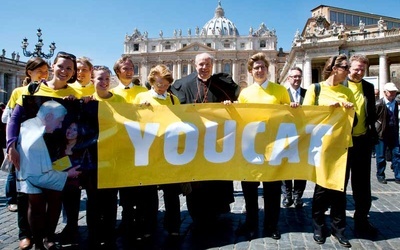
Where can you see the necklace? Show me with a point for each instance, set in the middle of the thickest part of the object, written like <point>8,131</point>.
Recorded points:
<point>205,90</point>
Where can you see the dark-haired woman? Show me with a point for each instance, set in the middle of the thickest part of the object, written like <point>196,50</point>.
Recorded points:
<point>48,204</point>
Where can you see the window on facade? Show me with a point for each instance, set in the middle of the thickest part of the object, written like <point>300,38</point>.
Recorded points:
<point>136,47</point>
<point>167,46</point>
<point>262,44</point>
<point>393,74</point>
<point>356,20</point>
<point>370,21</point>
<point>364,19</point>
<point>242,45</point>
<point>136,69</point>
<point>333,16</point>
<point>242,69</point>
<point>227,45</point>
<point>170,66</point>
<point>184,70</point>
<point>153,47</point>
<point>349,19</point>
<point>184,45</point>
<point>340,18</point>
<point>227,68</point>
<point>209,45</point>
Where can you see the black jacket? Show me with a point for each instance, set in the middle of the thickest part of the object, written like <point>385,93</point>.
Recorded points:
<point>382,124</point>
<point>221,87</point>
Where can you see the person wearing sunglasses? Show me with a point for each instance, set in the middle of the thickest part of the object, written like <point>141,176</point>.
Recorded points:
<point>333,94</point>
<point>64,72</point>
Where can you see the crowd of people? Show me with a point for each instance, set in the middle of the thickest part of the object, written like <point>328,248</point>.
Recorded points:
<point>40,192</point>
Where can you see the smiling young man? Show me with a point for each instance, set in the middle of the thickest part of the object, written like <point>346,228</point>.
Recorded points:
<point>364,138</point>
<point>262,91</point>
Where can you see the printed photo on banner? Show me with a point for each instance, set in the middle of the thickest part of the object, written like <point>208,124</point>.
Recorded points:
<point>75,143</point>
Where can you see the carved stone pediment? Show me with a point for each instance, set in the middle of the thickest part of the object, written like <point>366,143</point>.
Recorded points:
<point>196,47</point>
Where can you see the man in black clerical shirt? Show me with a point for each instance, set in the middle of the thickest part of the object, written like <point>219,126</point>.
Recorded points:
<point>208,199</point>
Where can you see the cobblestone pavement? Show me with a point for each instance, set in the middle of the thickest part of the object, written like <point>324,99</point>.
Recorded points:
<point>295,225</point>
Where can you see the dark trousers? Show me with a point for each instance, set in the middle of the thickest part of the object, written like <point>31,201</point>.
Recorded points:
<point>43,214</point>
<point>140,207</point>
<point>272,198</point>
<point>359,170</point>
<point>71,198</point>
<point>322,199</point>
<point>11,188</point>
<point>101,214</point>
<point>209,199</point>
<point>380,151</point>
<point>172,217</point>
<point>295,187</point>
<point>23,224</point>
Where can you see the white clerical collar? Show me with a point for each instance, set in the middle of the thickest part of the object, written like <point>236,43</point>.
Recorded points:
<point>122,86</point>
<point>154,94</point>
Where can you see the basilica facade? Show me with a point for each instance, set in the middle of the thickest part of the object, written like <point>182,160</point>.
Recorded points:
<point>332,31</point>
<point>329,31</point>
<point>218,37</point>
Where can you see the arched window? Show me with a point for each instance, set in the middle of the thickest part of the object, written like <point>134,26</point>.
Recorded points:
<point>136,69</point>
<point>227,68</point>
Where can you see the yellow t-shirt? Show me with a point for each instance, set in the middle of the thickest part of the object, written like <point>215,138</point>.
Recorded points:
<point>273,94</point>
<point>44,90</point>
<point>146,96</point>
<point>113,98</point>
<point>15,94</point>
<point>88,90</point>
<point>329,94</point>
<point>361,127</point>
<point>128,94</point>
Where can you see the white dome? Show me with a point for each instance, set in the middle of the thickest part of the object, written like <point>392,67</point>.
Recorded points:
<point>220,25</point>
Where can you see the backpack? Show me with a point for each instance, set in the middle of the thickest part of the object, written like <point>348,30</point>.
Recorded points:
<point>317,90</point>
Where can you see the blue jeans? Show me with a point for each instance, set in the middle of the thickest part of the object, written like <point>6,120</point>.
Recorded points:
<point>380,150</point>
<point>11,188</point>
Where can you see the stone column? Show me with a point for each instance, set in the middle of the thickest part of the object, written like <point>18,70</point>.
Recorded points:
<point>383,71</point>
<point>235,70</point>
<point>144,69</point>
<point>272,70</point>
<point>179,76</point>
<point>189,67</point>
<point>307,72</point>
<point>250,79</point>
<point>2,86</point>
<point>214,69</point>
<point>174,69</point>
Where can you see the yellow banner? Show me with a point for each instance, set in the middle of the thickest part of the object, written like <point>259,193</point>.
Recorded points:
<point>252,142</point>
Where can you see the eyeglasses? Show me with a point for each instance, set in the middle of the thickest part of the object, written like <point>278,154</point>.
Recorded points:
<point>159,85</point>
<point>66,55</point>
<point>296,77</point>
<point>345,67</point>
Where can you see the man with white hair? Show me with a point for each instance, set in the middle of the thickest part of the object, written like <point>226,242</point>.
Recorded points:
<point>208,199</point>
<point>35,174</point>
<point>387,127</point>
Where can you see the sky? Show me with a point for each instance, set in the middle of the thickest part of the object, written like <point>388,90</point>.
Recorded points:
<point>97,28</point>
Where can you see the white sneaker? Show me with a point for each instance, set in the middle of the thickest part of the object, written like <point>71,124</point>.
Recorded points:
<point>12,207</point>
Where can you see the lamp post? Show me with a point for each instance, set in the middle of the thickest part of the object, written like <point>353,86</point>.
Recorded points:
<point>38,47</point>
